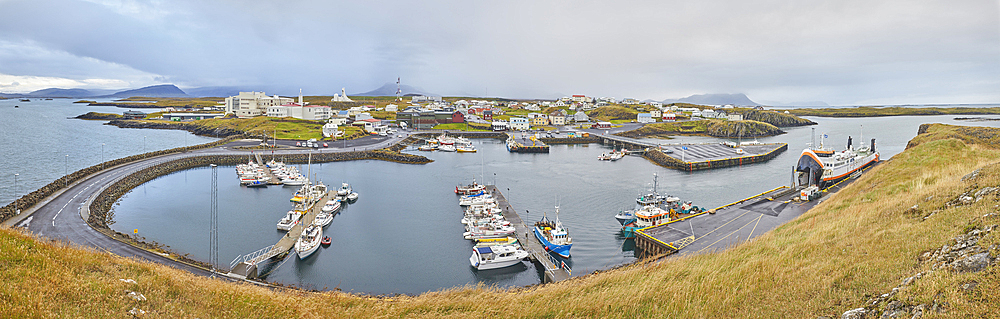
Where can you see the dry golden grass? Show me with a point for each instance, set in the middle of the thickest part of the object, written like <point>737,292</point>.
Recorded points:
<point>859,243</point>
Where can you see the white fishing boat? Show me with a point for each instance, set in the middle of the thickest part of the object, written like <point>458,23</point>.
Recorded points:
<point>309,241</point>
<point>493,257</point>
<point>470,189</point>
<point>331,206</point>
<point>653,198</point>
<point>352,197</point>
<point>291,218</point>
<point>465,149</point>
<point>427,147</point>
<point>323,219</point>
<point>344,190</point>
<point>488,232</point>
<point>447,148</point>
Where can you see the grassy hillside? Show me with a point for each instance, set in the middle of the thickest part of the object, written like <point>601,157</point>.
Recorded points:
<point>776,118</point>
<point>860,243</point>
<point>608,113</point>
<point>869,111</point>
<point>716,128</point>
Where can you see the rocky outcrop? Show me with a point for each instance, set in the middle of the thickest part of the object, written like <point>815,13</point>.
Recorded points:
<point>776,119</point>
<point>98,116</point>
<point>735,129</point>
<point>166,125</point>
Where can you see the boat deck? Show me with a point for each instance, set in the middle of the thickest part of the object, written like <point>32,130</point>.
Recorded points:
<point>553,271</point>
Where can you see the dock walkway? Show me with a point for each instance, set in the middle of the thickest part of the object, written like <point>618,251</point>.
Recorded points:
<point>246,266</point>
<point>698,156</point>
<point>553,271</point>
<point>274,180</point>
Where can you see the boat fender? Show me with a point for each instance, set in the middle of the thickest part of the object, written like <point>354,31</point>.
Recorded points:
<point>546,248</point>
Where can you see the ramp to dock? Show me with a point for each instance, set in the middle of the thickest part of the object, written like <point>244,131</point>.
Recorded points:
<point>554,269</point>
<point>246,265</point>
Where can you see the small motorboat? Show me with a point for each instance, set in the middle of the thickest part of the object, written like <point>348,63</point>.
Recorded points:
<point>493,257</point>
<point>326,241</point>
<point>352,196</point>
<point>427,147</point>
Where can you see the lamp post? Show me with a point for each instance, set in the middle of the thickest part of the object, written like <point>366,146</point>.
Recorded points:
<point>144,144</point>
<point>16,211</point>
<point>66,171</point>
<point>102,155</point>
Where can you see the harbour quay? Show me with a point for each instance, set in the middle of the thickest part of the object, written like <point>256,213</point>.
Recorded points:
<point>553,268</point>
<point>700,156</point>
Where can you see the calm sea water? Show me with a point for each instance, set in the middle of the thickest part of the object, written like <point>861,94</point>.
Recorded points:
<point>36,137</point>
<point>403,235</point>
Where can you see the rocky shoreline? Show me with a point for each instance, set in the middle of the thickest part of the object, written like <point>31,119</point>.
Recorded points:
<point>164,125</point>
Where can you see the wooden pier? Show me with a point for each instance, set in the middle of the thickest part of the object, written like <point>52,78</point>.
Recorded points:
<point>554,270</point>
<point>274,180</point>
<point>246,266</point>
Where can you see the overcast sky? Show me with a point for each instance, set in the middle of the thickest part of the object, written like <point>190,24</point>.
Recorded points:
<point>839,52</point>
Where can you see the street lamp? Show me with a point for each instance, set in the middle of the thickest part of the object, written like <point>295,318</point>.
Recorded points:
<point>16,211</point>
<point>102,155</point>
<point>144,144</point>
<point>66,171</point>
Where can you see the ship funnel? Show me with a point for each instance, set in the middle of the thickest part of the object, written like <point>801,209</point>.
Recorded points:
<point>848,142</point>
<point>873,145</point>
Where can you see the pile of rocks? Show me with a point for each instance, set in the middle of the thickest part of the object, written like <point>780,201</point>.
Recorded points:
<point>965,255</point>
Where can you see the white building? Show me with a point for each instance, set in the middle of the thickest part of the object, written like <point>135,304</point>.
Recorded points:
<point>655,113</point>
<point>519,124</point>
<point>392,108</point>
<point>250,104</point>
<point>300,111</point>
<point>500,125</point>
<point>644,118</point>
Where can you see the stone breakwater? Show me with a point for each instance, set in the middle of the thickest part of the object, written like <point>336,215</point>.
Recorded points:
<point>101,213</point>
<point>164,125</point>
<point>30,199</point>
<point>570,140</point>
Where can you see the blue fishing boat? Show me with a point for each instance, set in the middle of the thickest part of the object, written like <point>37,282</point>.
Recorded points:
<point>553,235</point>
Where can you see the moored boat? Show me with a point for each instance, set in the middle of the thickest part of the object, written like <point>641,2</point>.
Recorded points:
<point>291,218</point>
<point>331,206</point>
<point>466,149</point>
<point>344,189</point>
<point>309,241</point>
<point>352,197</point>
<point>447,148</point>
<point>493,257</point>
<point>427,147</point>
<point>323,219</point>
<point>553,236</point>
<point>470,189</point>
<point>825,167</point>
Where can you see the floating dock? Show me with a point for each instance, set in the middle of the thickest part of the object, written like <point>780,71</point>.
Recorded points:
<point>698,156</point>
<point>246,266</point>
<point>521,144</point>
<point>555,270</point>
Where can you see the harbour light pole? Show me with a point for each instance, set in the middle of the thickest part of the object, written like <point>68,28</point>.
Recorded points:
<point>16,211</point>
<point>66,170</point>
<point>102,155</point>
<point>143,144</point>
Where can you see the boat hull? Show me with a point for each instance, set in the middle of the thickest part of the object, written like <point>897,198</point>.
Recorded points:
<point>561,250</point>
<point>628,230</point>
<point>492,264</point>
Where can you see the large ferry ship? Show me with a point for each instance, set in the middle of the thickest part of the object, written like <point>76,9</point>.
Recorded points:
<point>824,167</point>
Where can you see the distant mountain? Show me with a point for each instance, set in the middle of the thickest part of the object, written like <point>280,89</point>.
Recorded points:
<point>389,89</point>
<point>215,91</point>
<point>163,90</point>
<point>716,99</point>
<point>807,103</point>
<point>56,92</point>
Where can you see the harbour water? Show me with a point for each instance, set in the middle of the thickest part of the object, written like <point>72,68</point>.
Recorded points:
<point>403,235</point>
<point>37,136</point>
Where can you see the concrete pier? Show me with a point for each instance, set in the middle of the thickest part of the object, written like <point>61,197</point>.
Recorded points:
<point>553,271</point>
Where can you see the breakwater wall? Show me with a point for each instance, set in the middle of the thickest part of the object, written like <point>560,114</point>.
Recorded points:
<point>166,125</point>
<point>570,140</point>
<point>659,158</point>
<point>30,199</point>
<point>100,209</point>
